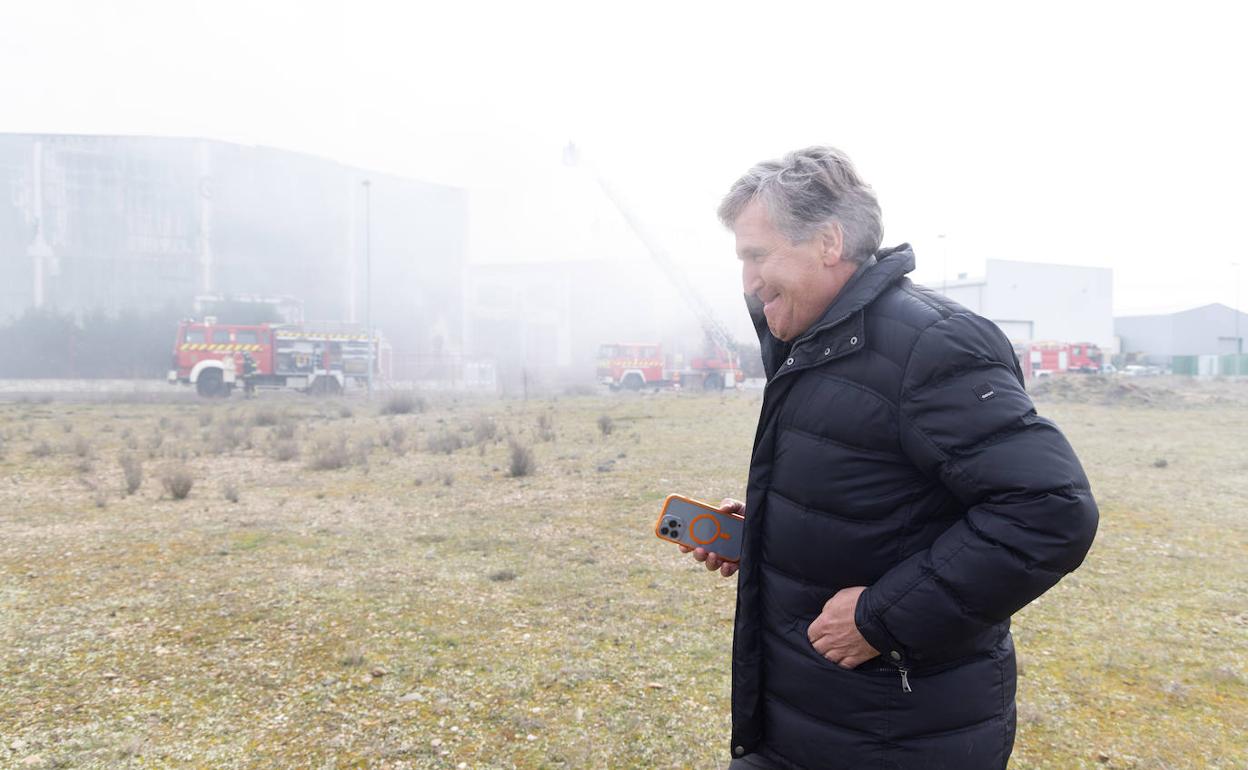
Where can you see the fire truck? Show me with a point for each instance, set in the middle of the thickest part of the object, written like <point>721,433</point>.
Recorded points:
<point>316,358</point>
<point>1043,359</point>
<point>633,366</point>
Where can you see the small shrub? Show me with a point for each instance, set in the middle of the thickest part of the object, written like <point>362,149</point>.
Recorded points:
<point>606,424</point>
<point>545,428</point>
<point>285,429</point>
<point>522,462</point>
<point>206,417</point>
<point>229,490</point>
<point>41,448</point>
<point>363,448</point>
<point>395,439</point>
<point>284,451</point>
<point>81,446</point>
<point>227,438</point>
<point>177,482</point>
<point>353,657</point>
<point>67,427</point>
<point>345,412</point>
<point>265,416</point>
<point>100,499</point>
<point>484,429</point>
<point>448,479</point>
<point>502,576</point>
<point>446,442</point>
<point>330,454</point>
<point>403,403</point>
<point>132,469</point>
<point>83,466</point>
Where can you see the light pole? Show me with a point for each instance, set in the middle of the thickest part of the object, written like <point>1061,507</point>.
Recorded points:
<point>368,278</point>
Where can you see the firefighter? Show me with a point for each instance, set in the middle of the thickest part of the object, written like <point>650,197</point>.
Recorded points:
<point>249,372</point>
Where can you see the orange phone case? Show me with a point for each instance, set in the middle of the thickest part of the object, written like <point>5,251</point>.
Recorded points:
<point>713,513</point>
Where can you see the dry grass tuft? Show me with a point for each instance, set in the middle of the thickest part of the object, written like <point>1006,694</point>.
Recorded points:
<point>132,471</point>
<point>284,451</point>
<point>394,438</point>
<point>177,481</point>
<point>445,442</point>
<point>330,454</point>
<point>606,424</point>
<point>522,460</point>
<point>484,429</point>
<point>403,403</point>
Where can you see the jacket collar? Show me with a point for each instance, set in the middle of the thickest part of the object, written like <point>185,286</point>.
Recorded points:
<point>840,330</point>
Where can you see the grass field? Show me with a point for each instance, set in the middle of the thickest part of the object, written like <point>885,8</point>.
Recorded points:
<point>342,588</point>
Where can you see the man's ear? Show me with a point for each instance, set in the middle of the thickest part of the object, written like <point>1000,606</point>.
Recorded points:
<point>833,243</point>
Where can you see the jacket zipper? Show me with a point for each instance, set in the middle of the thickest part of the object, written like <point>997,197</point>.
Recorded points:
<point>905,679</point>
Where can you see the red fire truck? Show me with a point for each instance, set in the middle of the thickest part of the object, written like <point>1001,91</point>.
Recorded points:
<point>637,365</point>
<point>318,358</point>
<point>1042,359</point>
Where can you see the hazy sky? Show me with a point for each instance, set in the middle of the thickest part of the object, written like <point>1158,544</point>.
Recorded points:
<point>1106,134</point>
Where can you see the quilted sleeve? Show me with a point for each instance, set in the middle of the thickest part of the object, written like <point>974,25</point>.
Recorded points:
<point>1030,518</point>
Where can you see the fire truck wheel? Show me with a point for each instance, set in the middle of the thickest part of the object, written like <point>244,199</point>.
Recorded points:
<point>209,384</point>
<point>633,381</point>
<point>713,382</point>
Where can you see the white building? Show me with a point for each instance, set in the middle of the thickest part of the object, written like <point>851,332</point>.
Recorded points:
<point>1035,301</point>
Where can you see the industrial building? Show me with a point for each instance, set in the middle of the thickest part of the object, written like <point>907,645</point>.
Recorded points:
<point>1035,301</point>
<point>1203,340</point>
<point>106,223</point>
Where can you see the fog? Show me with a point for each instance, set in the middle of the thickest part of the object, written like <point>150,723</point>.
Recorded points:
<point>405,168</point>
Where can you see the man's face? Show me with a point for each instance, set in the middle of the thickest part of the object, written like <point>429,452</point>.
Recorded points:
<point>795,282</point>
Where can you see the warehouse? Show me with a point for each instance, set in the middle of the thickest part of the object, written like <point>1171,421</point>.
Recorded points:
<point>1035,301</point>
<point>112,223</point>
<point>1210,334</point>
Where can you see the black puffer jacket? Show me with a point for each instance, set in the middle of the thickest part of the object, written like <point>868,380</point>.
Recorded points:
<point>897,450</point>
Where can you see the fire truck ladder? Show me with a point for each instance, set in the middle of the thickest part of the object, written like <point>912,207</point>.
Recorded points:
<point>701,309</point>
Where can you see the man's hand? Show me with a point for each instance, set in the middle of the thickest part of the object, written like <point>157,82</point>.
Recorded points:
<point>835,635</point>
<point>710,558</point>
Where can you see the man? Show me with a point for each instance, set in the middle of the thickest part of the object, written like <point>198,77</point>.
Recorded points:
<point>904,497</point>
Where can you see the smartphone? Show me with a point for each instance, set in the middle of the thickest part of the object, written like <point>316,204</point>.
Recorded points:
<point>700,525</point>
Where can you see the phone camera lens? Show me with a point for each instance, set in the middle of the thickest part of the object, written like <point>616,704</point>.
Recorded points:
<point>671,523</point>
<point>663,531</point>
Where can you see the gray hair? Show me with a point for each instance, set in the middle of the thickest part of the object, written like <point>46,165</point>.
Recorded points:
<point>807,190</point>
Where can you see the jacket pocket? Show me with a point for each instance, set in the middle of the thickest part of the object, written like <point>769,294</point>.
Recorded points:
<point>877,666</point>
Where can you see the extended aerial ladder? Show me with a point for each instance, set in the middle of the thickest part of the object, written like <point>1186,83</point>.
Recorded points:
<point>723,350</point>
